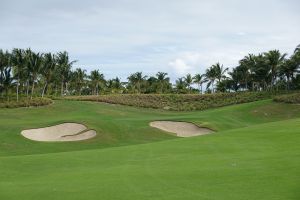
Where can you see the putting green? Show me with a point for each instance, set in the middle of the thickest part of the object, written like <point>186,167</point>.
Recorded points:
<point>254,154</point>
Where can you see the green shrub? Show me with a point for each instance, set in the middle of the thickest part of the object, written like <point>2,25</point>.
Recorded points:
<point>178,102</point>
<point>25,103</point>
<point>289,98</point>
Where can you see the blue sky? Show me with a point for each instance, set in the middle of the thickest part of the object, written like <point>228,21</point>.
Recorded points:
<point>124,36</point>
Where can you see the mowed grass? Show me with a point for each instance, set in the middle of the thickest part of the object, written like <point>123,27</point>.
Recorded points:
<point>253,155</point>
<point>258,162</point>
<point>123,125</point>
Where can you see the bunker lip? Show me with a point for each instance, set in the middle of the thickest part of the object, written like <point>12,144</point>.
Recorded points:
<point>60,133</point>
<point>180,128</point>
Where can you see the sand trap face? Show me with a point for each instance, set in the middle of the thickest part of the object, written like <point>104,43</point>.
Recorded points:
<point>61,132</point>
<point>181,129</point>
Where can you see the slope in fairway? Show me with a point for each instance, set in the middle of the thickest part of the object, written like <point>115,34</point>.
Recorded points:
<point>257,162</point>
<point>253,155</point>
<point>121,125</point>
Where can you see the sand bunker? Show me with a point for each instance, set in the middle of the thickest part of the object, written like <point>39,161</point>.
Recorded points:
<point>61,132</point>
<point>181,129</point>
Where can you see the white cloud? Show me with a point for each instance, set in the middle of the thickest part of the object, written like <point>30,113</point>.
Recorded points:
<point>180,66</point>
<point>241,33</point>
<point>124,36</point>
<point>198,62</point>
<point>186,63</point>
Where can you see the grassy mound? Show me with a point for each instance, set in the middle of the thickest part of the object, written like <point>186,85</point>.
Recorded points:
<point>25,103</point>
<point>178,102</point>
<point>118,125</point>
<point>290,98</point>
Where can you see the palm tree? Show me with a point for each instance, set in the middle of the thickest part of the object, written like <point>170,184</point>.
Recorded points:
<point>210,76</point>
<point>215,72</point>
<point>136,80</point>
<point>114,85</point>
<point>236,79</point>
<point>48,68</point>
<point>188,80</point>
<point>18,62</point>
<point>3,63</point>
<point>219,71</point>
<point>242,72</point>
<point>296,57</point>
<point>289,67</point>
<point>274,58</point>
<point>241,75</point>
<point>79,76</point>
<point>34,62</point>
<point>199,79</point>
<point>96,78</point>
<point>5,72</point>
<point>162,80</point>
<point>258,69</point>
<point>7,80</point>
<point>117,83</point>
<point>110,85</point>
<point>64,68</point>
<point>180,85</point>
<point>297,49</point>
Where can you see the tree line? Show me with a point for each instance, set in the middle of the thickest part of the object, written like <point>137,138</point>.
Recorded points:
<point>25,73</point>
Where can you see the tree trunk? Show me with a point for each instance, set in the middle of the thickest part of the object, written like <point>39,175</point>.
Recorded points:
<point>97,89</point>
<point>6,91</point>
<point>27,89</point>
<point>18,90</point>
<point>62,88</point>
<point>66,86</point>
<point>288,82</point>
<point>139,88</point>
<point>55,90</point>
<point>32,90</point>
<point>44,89</point>
<point>201,89</point>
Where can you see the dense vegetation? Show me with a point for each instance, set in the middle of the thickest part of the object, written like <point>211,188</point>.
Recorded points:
<point>289,98</point>
<point>24,102</point>
<point>24,72</point>
<point>179,102</point>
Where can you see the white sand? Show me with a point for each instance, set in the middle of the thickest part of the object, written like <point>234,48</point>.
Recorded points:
<point>181,129</point>
<point>61,132</point>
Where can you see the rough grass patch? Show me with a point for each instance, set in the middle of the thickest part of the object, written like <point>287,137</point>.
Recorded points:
<point>289,98</point>
<point>26,103</point>
<point>178,102</point>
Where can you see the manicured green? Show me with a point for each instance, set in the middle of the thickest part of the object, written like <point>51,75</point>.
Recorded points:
<point>253,155</point>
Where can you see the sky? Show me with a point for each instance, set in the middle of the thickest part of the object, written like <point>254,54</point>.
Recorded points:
<point>120,37</point>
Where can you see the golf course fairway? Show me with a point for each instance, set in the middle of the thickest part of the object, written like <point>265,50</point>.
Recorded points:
<point>253,153</point>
